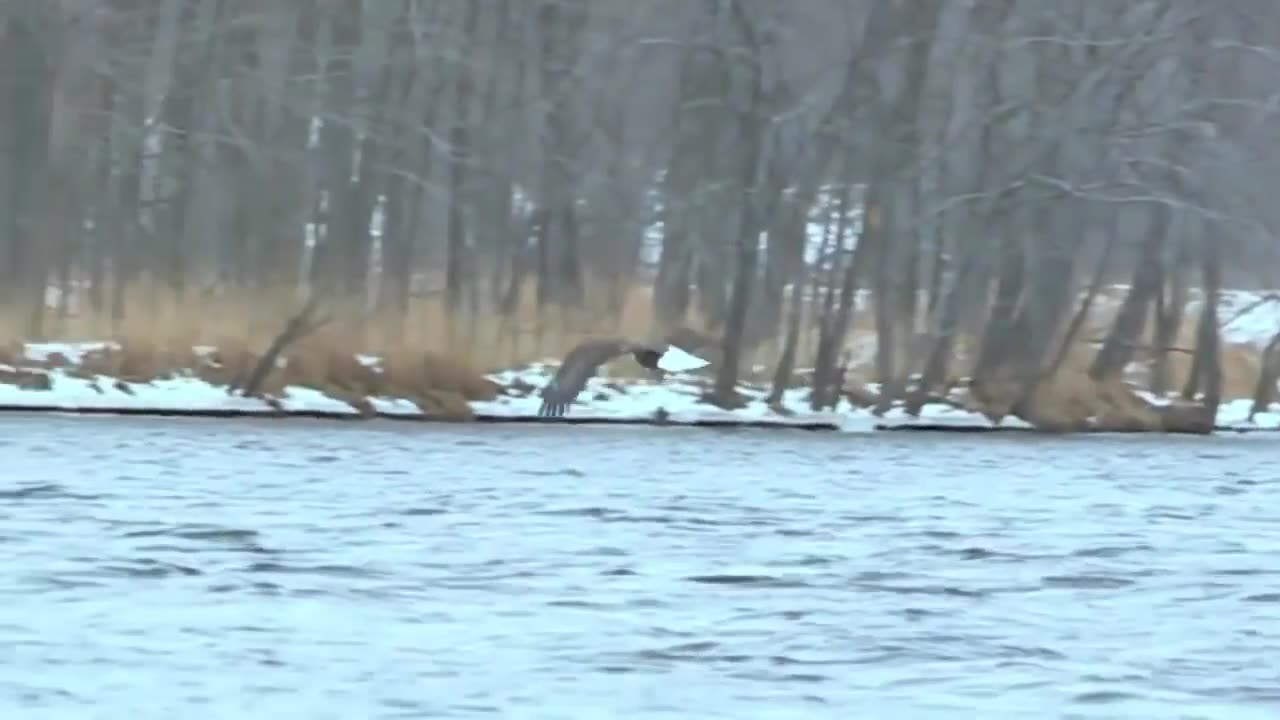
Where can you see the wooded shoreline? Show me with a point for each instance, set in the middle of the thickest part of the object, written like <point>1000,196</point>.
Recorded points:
<point>930,187</point>
<point>801,424</point>
<point>299,374</point>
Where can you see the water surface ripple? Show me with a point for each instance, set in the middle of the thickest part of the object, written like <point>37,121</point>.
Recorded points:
<point>207,569</point>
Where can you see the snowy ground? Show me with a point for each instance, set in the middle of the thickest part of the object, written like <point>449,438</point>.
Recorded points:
<point>175,395</point>
<point>680,398</point>
<point>1247,317</point>
<point>604,399</point>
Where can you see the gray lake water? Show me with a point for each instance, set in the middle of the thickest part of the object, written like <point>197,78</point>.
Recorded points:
<point>245,569</point>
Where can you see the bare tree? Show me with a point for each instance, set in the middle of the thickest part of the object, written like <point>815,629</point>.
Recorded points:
<point>954,175</point>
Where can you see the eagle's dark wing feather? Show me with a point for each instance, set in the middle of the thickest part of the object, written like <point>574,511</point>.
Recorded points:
<point>578,366</point>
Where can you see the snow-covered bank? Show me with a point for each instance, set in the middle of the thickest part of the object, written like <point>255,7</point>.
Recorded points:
<point>48,381</point>
<point>678,401</point>
<point>56,377</point>
<point>175,396</point>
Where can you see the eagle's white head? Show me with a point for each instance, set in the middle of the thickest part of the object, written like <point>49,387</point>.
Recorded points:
<point>677,360</point>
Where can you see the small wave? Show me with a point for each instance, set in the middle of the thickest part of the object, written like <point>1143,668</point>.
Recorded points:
<point>681,518</point>
<point>861,519</point>
<point>755,581</point>
<point>260,587</point>
<point>561,472</point>
<point>791,661</point>
<point>1112,551</point>
<point>323,569</point>
<point>610,515</point>
<point>591,511</point>
<point>149,568</point>
<point>881,576</point>
<point>1170,514</point>
<point>44,491</point>
<point>981,553</point>
<point>579,604</point>
<point>944,590</point>
<point>68,583</point>
<point>207,533</point>
<point>939,534</point>
<point>487,582</point>
<point>774,677</point>
<point>423,511</point>
<point>603,551</point>
<point>807,561</point>
<point>799,532</point>
<point>1103,697</point>
<point>1087,582</point>
<point>1036,652</point>
<point>915,614</point>
<point>204,536</point>
<point>1245,572</point>
<point>701,651</point>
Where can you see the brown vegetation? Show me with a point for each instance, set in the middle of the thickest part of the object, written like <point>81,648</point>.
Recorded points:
<point>442,367</point>
<point>1070,400</point>
<point>421,357</point>
<point>1264,391</point>
<point>24,378</point>
<point>164,340</point>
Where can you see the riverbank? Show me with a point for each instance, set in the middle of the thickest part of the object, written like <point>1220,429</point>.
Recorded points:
<point>165,372</point>
<point>69,378</point>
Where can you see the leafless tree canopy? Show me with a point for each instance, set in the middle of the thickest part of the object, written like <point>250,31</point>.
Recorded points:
<point>971,165</point>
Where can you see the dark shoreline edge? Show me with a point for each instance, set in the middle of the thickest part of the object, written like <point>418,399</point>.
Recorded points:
<point>809,426</point>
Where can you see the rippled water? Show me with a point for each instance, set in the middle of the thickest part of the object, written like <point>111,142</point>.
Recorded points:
<point>210,569</point>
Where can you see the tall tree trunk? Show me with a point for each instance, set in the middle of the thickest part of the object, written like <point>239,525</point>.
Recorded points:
<point>1171,305</point>
<point>1127,329</point>
<point>1206,370</point>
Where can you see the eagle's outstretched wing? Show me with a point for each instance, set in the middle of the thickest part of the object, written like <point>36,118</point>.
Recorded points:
<point>578,366</point>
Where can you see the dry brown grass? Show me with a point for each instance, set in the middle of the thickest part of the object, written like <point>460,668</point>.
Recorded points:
<point>492,342</point>
<point>440,361</point>
<point>1071,398</point>
<point>426,356</point>
<point>1068,401</point>
<point>1241,363</point>
<point>24,378</point>
<point>10,352</point>
<point>135,361</point>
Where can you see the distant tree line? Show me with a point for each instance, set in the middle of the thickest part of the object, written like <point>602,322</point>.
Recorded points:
<point>972,165</point>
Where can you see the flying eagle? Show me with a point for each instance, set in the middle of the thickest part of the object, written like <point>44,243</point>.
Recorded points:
<point>583,361</point>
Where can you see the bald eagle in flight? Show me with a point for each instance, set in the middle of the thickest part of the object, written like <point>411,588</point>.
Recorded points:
<point>585,360</point>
